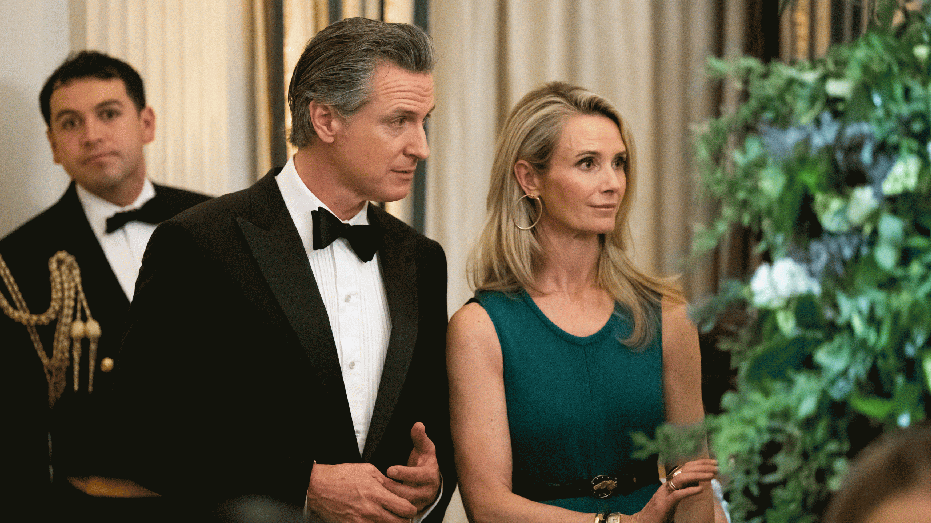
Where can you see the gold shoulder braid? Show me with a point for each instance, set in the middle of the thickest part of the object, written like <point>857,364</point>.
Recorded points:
<point>68,302</point>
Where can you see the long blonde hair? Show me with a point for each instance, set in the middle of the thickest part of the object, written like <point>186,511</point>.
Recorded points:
<point>505,257</point>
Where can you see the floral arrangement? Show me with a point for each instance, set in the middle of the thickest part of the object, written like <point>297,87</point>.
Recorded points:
<point>828,165</point>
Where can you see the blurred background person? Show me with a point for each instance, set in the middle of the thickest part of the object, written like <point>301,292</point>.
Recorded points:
<point>888,482</point>
<point>98,124</point>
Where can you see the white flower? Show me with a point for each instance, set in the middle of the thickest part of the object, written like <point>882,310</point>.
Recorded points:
<point>903,176</point>
<point>761,286</point>
<point>773,285</point>
<point>862,203</point>
<point>838,88</point>
<point>806,76</point>
<point>921,52</point>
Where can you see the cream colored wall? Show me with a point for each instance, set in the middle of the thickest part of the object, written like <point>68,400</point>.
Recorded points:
<point>33,40</point>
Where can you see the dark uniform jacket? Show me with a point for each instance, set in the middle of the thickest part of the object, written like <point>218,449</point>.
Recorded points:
<point>81,443</point>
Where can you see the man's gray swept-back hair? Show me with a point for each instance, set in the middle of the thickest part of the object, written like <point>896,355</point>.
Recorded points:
<point>337,65</point>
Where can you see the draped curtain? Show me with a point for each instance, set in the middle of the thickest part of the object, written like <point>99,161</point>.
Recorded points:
<point>194,74</point>
<point>648,57</point>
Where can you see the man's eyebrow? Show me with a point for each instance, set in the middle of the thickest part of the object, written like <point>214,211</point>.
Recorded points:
<point>63,113</point>
<point>409,112</point>
<point>107,103</point>
<point>102,105</point>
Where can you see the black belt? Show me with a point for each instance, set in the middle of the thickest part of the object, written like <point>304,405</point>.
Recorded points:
<point>635,476</point>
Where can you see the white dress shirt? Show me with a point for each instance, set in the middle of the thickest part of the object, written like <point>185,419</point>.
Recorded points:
<point>354,296</point>
<point>125,246</point>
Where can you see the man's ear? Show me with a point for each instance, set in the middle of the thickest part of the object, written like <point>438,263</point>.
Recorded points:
<point>147,118</point>
<point>51,142</point>
<point>527,178</point>
<point>326,121</point>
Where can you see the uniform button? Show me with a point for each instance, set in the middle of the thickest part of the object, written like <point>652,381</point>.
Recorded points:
<point>106,364</point>
<point>352,365</point>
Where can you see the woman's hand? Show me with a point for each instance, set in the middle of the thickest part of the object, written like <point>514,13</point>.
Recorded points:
<point>685,481</point>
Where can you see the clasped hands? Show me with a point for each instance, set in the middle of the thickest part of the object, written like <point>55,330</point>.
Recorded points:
<point>690,479</point>
<point>351,492</point>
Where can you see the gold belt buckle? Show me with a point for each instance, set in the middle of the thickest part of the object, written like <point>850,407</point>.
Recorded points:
<point>603,486</point>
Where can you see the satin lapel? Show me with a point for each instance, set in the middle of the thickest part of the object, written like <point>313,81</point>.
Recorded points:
<point>280,255</point>
<point>398,272</point>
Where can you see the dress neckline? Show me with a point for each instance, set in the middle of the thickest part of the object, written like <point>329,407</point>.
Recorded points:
<point>572,338</point>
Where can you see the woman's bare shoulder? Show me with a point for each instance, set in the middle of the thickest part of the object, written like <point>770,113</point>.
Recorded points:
<point>472,332</point>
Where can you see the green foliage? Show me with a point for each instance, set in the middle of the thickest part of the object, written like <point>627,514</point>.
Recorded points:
<point>671,442</point>
<point>828,164</point>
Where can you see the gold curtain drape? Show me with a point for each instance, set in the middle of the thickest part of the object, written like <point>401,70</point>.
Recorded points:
<point>809,27</point>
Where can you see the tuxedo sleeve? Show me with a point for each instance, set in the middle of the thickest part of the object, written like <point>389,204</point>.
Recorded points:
<point>208,399</point>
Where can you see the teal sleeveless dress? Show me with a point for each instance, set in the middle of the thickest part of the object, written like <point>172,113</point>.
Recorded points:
<point>573,402</point>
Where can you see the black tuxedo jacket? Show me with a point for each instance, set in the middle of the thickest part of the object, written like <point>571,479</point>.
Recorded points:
<point>79,441</point>
<point>232,370</point>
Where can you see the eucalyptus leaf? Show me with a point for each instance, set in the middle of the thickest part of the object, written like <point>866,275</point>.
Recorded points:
<point>877,408</point>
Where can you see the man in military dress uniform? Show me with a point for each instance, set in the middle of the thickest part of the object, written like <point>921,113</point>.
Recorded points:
<point>98,122</point>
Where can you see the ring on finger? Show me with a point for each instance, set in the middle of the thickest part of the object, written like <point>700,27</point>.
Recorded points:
<point>671,476</point>
<point>674,472</point>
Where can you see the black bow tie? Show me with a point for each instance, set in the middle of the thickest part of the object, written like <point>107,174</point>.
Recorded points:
<point>364,239</point>
<point>153,211</point>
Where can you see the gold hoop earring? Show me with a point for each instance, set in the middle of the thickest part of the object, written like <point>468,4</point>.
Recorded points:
<point>539,202</point>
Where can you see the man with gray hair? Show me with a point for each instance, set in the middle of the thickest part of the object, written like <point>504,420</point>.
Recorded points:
<point>295,350</point>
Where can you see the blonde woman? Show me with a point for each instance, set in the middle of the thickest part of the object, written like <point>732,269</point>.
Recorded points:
<point>567,348</point>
